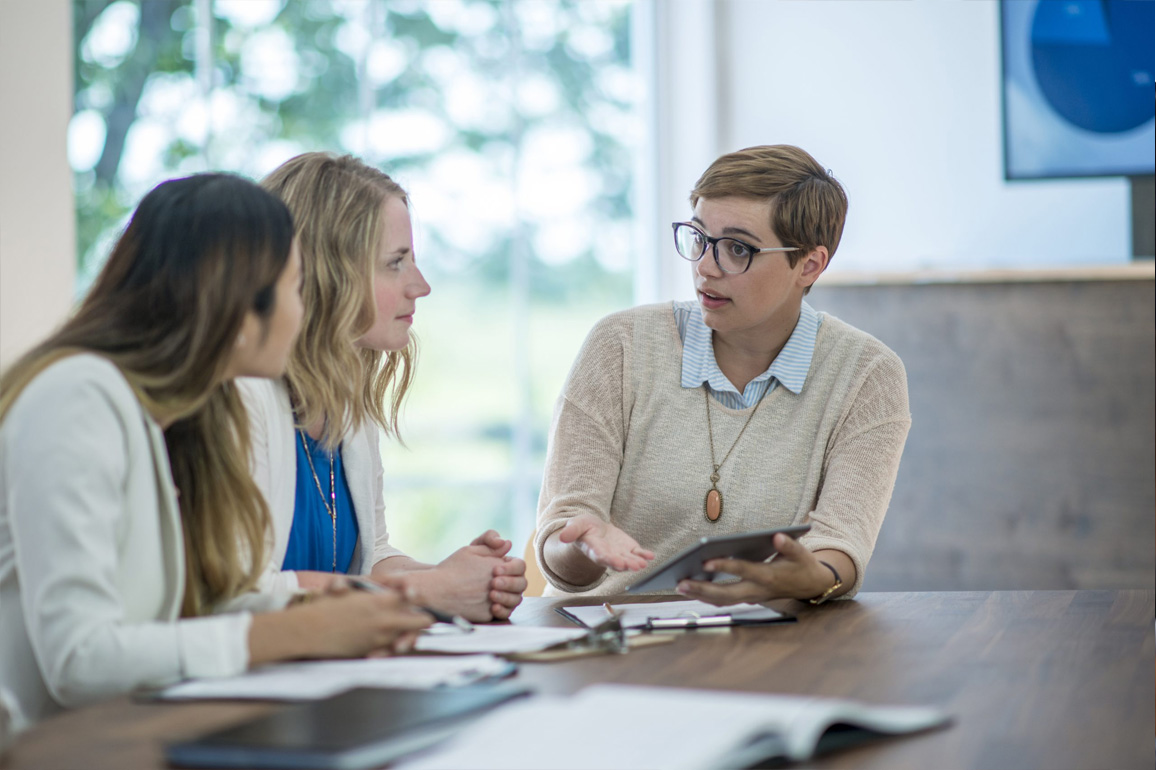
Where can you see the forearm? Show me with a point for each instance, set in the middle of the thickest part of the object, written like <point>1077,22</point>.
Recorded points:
<point>843,565</point>
<point>277,636</point>
<point>309,580</point>
<point>397,565</point>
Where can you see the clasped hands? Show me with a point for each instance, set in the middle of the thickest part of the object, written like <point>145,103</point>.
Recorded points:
<point>480,581</point>
<point>794,573</point>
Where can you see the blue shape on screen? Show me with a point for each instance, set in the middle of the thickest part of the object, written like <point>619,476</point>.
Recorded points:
<point>1075,22</point>
<point>1094,61</point>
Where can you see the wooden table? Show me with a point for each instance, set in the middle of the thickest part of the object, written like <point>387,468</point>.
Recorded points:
<point>1034,679</point>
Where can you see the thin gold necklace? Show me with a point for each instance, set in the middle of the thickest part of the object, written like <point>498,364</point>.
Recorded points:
<point>331,503</point>
<point>712,505</point>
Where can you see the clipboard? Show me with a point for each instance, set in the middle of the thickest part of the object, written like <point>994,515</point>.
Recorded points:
<point>687,565</point>
<point>686,615</point>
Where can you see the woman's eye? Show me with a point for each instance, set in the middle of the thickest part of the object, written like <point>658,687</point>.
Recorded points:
<point>738,250</point>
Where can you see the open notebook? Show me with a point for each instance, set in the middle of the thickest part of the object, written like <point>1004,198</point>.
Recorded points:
<point>613,726</point>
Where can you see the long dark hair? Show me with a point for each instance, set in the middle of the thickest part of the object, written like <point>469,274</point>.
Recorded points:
<point>198,254</point>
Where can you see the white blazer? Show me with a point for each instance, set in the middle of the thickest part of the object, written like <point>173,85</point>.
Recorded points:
<point>274,440</point>
<point>92,567</point>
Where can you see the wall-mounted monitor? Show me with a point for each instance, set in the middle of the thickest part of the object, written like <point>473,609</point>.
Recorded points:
<point>1079,96</point>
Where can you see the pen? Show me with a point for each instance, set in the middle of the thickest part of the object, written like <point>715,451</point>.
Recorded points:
<point>609,609</point>
<point>457,621</point>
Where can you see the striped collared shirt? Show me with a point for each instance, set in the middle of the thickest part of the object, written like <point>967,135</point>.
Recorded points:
<point>790,367</point>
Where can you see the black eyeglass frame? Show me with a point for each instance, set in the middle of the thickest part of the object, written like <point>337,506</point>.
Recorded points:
<point>713,243</point>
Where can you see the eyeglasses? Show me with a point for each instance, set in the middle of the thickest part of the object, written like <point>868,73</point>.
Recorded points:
<point>730,254</point>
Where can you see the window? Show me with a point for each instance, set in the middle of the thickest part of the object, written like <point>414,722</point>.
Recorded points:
<point>512,124</point>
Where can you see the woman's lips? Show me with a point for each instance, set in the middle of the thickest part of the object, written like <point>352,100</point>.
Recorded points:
<point>711,301</point>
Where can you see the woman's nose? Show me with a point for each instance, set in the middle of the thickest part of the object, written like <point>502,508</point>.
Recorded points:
<point>418,287</point>
<point>706,265</point>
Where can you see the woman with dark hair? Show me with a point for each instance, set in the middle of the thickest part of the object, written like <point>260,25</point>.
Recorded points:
<point>127,510</point>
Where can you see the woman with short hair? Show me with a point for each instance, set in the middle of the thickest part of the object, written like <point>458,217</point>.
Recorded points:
<point>743,410</point>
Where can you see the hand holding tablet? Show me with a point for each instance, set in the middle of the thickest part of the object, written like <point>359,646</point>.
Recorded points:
<point>687,565</point>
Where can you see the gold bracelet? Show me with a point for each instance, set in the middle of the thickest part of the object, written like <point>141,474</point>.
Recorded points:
<point>827,594</point>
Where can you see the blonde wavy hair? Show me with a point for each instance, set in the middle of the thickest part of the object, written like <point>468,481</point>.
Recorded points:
<point>336,202</point>
<point>198,254</point>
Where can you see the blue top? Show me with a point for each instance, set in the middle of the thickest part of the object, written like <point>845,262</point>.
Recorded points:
<point>311,539</point>
<point>789,368</point>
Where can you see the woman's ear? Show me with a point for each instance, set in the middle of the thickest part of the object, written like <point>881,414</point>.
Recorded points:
<point>813,266</point>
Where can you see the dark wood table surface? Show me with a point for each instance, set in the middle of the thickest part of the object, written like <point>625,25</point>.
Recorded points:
<point>1033,679</point>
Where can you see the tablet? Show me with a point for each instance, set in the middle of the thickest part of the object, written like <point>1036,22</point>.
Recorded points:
<point>356,730</point>
<point>752,546</point>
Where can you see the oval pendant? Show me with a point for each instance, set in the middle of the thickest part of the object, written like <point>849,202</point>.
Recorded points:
<point>713,505</point>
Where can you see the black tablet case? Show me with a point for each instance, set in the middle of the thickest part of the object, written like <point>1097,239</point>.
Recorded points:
<point>687,564</point>
<point>360,728</point>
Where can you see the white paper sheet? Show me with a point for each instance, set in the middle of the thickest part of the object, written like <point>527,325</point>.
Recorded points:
<point>495,639</point>
<point>636,615</point>
<point>620,726</point>
<point>641,728</point>
<point>320,679</point>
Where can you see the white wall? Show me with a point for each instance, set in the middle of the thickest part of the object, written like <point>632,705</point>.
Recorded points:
<point>901,100</point>
<point>37,215</point>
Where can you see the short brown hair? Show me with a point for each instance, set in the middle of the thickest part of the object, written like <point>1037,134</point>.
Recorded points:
<point>808,207</point>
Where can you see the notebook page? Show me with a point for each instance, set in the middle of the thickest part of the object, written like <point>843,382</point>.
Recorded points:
<point>623,726</point>
<point>320,679</point>
<point>553,733</point>
<point>636,615</point>
<point>497,640</point>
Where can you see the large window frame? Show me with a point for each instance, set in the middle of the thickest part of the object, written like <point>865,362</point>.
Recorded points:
<point>526,427</point>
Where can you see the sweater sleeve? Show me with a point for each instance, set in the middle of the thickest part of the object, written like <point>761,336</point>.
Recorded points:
<point>587,438</point>
<point>860,466</point>
<point>66,460</point>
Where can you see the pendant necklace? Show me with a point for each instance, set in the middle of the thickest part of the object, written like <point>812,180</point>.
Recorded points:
<point>713,504</point>
<point>331,503</point>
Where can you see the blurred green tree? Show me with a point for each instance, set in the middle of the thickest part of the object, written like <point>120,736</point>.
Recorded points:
<point>498,85</point>
<point>512,125</point>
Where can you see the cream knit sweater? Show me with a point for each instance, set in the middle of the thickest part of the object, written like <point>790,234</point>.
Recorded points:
<point>629,444</point>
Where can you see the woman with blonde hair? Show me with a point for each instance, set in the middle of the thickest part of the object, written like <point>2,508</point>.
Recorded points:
<point>127,513</point>
<point>317,432</point>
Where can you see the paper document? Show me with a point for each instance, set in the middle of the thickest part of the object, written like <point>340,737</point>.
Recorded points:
<point>627,726</point>
<point>320,679</point>
<point>495,639</point>
<point>639,615</point>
